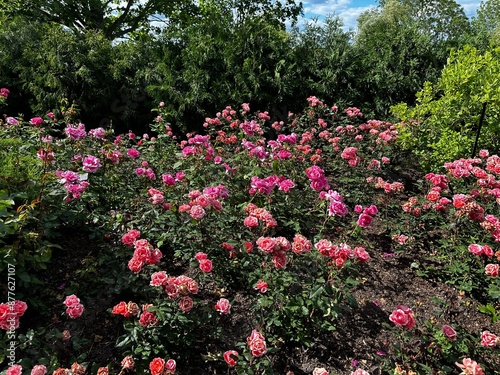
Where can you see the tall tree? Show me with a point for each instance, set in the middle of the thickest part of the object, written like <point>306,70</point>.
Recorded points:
<point>487,23</point>
<point>114,18</point>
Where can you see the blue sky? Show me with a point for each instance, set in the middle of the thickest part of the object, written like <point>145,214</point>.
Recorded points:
<point>349,10</point>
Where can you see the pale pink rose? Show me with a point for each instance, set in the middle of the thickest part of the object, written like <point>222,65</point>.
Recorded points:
<point>228,357</point>
<point>492,270</point>
<point>483,153</point>
<point>320,371</point>
<point>360,372</point>
<point>223,306</point>
<point>449,332</point>
<point>206,265</point>
<point>489,339</point>
<point>197,212</point>
<point>39,370</point>
<point>186,304</point>
<point>14,370</point>
<point>128,363</point>
<point>470,367</point>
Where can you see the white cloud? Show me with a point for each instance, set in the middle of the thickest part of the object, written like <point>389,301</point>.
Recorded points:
<point>341,8</point>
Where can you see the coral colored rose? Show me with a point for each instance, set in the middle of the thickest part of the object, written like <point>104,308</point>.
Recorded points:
<point>14,370</point>
<point>223,306</point>
<point>102,371</point>
<point>77,369</point>
<point>135,265</point>
<point>320,371</point>
<point>266,244</point>
<point>301,244</point>
<point>449,332</point>
<point>364,220</point>
<point>39,370</point>
<point>492,270</point>
<point>258,348</point>
<point>128,363</point>
<point>156,366</point>
<point>61,371</point>
<point>228,357</point>
<point>206,265</point>
<point>120,309</point>
<point>186,304</point>
<point>489,339</point>
<point>470,367</point>
<point>147,318</point>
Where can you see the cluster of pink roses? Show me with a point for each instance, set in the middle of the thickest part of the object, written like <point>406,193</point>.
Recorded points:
<point>200,201</point>
<point>10,313</point>
<point>350,154</point>
<point>170,180</point>
<point>197,145</point>
<point>317,177</point>
<point>276,247</point>
<point>380,183</point>
<point>266,185</point>
<point>144,252</point>
<point>257,344</point>
<point>366,215</point>
<point>73,184</point>
<point>251,128</point>
<point>18,370</point>
<point>158,366</point>
<point>178,286</point>
<point>340,253</point>
<point>205,264</point>
<point>145,171</point>
<point>75,132</point>
<point>255,214</point>
<point>403,316</point>
<point>73,306</point>
<point>337,206</point>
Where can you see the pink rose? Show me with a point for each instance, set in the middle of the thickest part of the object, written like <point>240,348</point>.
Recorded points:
<point>470,367</point>
<point>360,372</point>
<point>186,304</point>
<point>14,370</point>
<point>39,370</point>
<point>71,300</point>
<point>36,121</point>
<point>75,311</point>
<point>364,220</point>
<point>159,278</point>
<point>197,212</point>
<point>475,249</point>
<point>449,332</point>
<point>77,369</point>
<point>320,371</point>
<point>261,286</point>
<point>128,363</point>
<point>223,306</point>
<point>489,339</point>
<point>135,265</point>
<point>170,366</point>
<point>372,210</point>
<point>492,270</point>
<point>402,316</point>
<point>361,254</point>
<point>91,164</point>
<point>266,244</point>
<point>206,265</point>
<point>228,357</point>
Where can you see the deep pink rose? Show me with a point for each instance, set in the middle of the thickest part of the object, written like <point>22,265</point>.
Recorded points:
<point>159,278</point>
<point>228,357</point>
<point>449,332</point>
<point>71,300</point>
<point>14,370</point>
<point>206,265</point>
<point>364,220</point>
<point>170,366</point>
<point>261,286</point>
